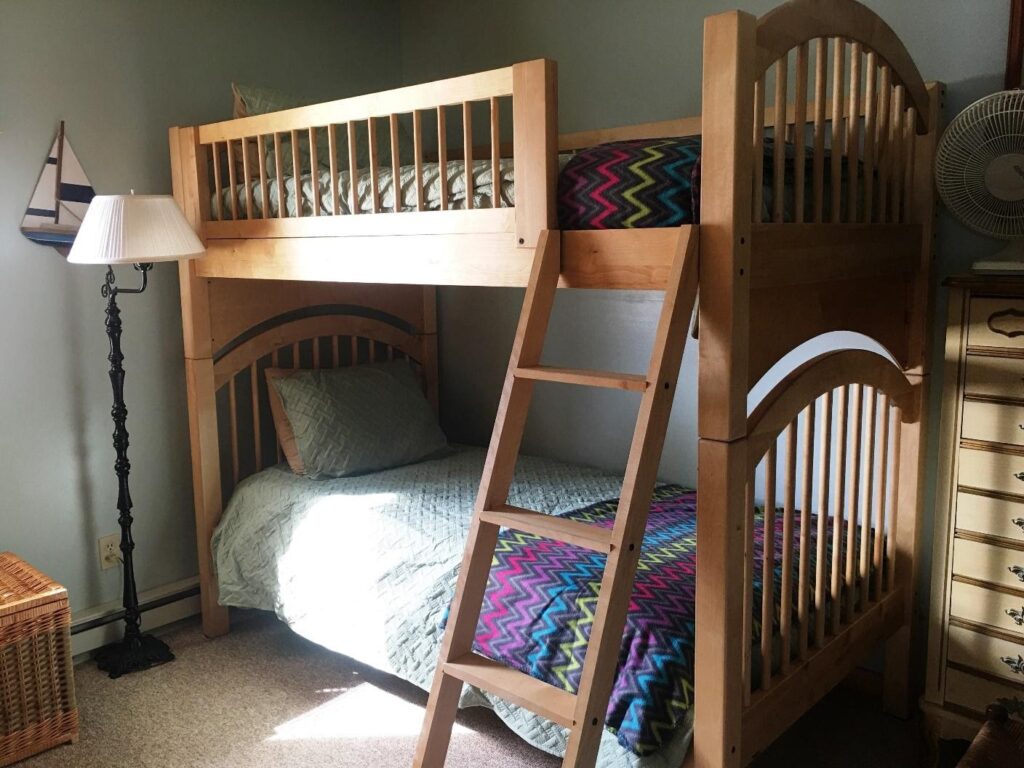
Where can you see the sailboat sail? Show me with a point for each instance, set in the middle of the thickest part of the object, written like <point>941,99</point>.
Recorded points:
<point>60,199</point>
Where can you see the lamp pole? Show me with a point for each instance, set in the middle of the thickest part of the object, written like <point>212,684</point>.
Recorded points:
<point>135,651</point>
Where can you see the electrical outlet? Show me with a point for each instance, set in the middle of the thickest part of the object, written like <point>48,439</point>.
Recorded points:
<point>110,551</point>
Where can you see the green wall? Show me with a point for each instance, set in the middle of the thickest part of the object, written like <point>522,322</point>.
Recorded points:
<point>120,72</point>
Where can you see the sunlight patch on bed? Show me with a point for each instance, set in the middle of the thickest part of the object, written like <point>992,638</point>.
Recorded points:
<point>363,712</point>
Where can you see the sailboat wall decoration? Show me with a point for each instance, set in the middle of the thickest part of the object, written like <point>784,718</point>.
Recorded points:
<point>60,199</point>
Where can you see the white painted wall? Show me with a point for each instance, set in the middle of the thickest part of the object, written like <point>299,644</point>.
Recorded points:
<point>120,73</point>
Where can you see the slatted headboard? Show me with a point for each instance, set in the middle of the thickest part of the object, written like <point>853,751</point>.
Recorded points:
<point>307,326</point>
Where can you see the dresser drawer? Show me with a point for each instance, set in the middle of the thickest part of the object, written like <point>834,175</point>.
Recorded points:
<point>985,653</point>
<point>993,422</point>
<point>975,693</point>
<point>987,606</point>
<point>997,323</point>
<point>992,471</point>
<point>994,376</point>
<point>994,517</point>
<point>988,562</point>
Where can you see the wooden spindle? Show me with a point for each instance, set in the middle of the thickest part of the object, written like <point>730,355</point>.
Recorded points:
<point>261,158</point>
<point>354,340</point>
<point>232,181</point>
<point>316,352</point>
<point>297,173</point>
<point>332,152</point>
<point>821,555</point>
<point>882,141</point>
<point>748,593</point>
<point>868,497</point>
<point>218,205</point>
<point>908,165</point>
<point>417,151</point>
<point>806,500</point>
<point>233,407</point>
<point>295,356</point>
<point>853,135</point>
<point>820,111</point>
<point>768,570</point>
<point>870,122</point>
<point>314,172</point>
<point>254,378</point>
<point>467,150</point>
<point>896,144</point>
<point>396,164</point>
<point>788,511</point>
<point>853,498</point>
<point>894,498</point>
<point>275,362</point>
<point>839,518</point>
<point>838,83</point>
<point>371,138</point>
<point>246,178</point>
<point>353,169</point>
<point>800,134</point>
<point>495,155</point>
<point>882,470</point>
<point>779,141</point>
<point>336,351</point>
<point>442,156</point>
<point>758,207</point>
<point>282,207</point>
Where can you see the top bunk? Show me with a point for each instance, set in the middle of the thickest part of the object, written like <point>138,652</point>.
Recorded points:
<point>816,130</point>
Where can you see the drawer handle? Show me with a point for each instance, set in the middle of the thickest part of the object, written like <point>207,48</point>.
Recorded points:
<point>1016,665</point>
<point>1017,571</point>
<point>1019,522</point>
<point>1011,325</point>
<point>1016,616</point>
<point>1020,476</point>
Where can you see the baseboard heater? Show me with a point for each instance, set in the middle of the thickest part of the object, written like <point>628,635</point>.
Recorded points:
<point>147,605</point>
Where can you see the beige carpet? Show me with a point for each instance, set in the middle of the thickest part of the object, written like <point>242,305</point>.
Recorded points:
<point>262,697</point>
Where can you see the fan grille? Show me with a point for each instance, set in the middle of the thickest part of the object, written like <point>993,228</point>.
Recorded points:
<point>991,128</point>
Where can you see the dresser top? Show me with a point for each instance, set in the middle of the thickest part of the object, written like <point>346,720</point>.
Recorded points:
<point>978,282</point>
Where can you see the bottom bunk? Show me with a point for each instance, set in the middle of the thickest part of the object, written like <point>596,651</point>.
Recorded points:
<point>366,566</point>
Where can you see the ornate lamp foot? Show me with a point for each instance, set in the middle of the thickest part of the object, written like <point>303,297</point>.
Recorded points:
<point>133,654</point>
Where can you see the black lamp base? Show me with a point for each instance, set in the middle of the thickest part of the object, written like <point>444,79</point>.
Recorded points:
<point>133,654</point>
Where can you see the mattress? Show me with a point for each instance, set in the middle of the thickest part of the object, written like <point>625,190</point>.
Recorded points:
<point>639,184</point>
<point>366,566</point>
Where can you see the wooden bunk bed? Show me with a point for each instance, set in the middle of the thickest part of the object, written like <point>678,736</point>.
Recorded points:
<point>843,434</point>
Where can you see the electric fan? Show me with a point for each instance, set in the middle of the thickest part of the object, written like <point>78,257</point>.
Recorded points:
<point>979,172</point>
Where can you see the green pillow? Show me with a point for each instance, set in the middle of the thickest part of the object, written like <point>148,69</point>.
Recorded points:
<point>359,419</point>
<point>251,100</point>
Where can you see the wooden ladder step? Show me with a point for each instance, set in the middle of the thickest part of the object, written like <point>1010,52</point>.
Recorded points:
<point>529,692</point>
<point>631,382</point>
<point>551,527</point>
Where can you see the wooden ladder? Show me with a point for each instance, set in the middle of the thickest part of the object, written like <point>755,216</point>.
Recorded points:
<point>583,713</point>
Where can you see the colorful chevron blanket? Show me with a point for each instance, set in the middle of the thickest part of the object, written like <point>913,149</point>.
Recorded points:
<point>540,601</point>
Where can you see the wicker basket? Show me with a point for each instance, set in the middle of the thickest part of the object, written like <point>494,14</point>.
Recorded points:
<point>37,690</point>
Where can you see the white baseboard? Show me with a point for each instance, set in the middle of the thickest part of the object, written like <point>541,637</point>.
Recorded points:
<point>152,621</point>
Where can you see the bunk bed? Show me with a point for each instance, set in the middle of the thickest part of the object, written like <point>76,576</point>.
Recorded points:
<point>815,215</point>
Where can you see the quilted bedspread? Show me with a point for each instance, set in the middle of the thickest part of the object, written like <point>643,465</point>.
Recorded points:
<point>540,602</point>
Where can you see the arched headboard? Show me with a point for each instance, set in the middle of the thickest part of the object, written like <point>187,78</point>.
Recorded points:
<point>339,329</point>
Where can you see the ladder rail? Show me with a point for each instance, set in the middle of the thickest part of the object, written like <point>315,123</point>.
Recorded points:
<point>599,665</point>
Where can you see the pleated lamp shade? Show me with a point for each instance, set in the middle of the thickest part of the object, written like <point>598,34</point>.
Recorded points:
<point>134,229</point>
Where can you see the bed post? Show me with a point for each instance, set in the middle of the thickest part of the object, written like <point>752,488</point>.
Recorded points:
<point>535,148</point>
<point>727,160</point>
<point>903,670</point>
<point>428,344</point>
<point>188,171</point>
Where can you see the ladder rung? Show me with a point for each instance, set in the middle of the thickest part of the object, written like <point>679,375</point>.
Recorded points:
<point>551,527</point>
<point>512,685</point>
<point>632,382</point>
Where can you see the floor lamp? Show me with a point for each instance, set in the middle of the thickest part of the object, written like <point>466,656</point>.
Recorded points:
<point>137,230</point>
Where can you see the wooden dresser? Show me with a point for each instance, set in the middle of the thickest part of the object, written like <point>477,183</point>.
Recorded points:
<point>976,626</point>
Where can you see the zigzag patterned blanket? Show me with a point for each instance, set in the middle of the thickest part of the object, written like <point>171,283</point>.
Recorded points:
<point>539,609</point>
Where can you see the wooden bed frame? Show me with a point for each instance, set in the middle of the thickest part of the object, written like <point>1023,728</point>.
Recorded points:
<point>296,290</point>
